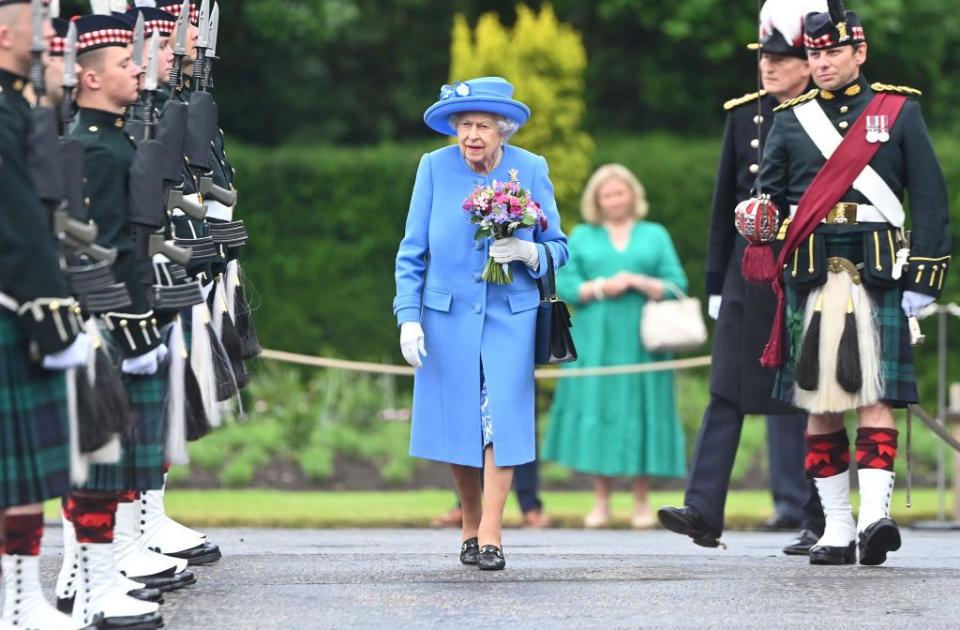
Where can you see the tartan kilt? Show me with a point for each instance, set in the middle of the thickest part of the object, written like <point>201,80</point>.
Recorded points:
<point>896,353</point>
<point>34,426</point>
<point>141,463</point>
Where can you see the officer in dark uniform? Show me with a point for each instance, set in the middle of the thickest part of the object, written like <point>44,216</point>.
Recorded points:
<point>40,338</point>
<point>744,311</point>
<point>851,277</point>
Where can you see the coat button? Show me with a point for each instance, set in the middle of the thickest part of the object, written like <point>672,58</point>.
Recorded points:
<point>758,120</point>
<point>754,169</point>
<point>477,309</point>
<point>844,109</point>
<point>843,124</point>
<point>478,277</point>
<point>755,143</point>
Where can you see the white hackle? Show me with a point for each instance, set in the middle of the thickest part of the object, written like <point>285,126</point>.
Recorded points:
<point>787,16</point>
<point>100,7</point>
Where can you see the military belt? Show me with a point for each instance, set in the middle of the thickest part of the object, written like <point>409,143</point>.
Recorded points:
<point>845,213</point>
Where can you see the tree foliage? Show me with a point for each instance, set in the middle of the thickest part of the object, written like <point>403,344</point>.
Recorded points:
<point>545,60</point>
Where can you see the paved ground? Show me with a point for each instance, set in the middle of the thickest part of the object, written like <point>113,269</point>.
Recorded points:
<point>555,579</point>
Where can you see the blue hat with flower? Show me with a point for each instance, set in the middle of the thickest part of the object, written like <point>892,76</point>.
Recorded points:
<point>493,95</point>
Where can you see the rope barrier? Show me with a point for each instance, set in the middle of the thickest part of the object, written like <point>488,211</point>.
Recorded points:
<point>542,373</point>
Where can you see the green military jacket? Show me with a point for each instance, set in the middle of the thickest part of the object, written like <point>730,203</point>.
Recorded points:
<point>108,154</point>
<point>907,163</point>
<point>29,267</point>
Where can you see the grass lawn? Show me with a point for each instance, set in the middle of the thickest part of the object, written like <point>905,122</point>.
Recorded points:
<point>263,508</point>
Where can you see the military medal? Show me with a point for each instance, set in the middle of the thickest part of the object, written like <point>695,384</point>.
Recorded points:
<point>883,133</point>
<point>873,133</point>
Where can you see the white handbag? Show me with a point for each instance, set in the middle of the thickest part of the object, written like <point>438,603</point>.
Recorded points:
<point>672,325</point>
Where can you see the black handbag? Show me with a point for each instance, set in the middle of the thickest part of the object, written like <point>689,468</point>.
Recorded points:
<point>554,343</point>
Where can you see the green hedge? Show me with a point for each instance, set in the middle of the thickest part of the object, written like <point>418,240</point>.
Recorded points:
<point>325,224</point>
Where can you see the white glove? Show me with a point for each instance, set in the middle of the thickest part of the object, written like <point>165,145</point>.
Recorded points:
<point>914,302</point>
<point>73,356</point>
<point>145,364</point>
<point>713,306</point>
<point>412,343</point>
<point>507,250</point>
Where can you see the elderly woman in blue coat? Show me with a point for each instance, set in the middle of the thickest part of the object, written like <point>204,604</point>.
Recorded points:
<point>473,342</point>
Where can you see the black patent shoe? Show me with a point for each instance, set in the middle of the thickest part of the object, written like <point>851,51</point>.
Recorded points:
<point>877,539</point>
<point>824,555</point>
<point>688,521</point>
<point>800,546</point>
<point>205,553</point>
<point>469,551</point>
<point>65,604</point>
<point>167,580</point>
<point>490,558</point>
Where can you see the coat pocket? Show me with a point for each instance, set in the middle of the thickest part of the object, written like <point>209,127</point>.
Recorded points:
<point>880,255</point>
<point>524,300</point>
<point>807,267</point>
<point>437,300</point>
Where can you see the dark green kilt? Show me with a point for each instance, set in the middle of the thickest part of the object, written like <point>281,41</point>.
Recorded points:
<point>141,464</point>
<point>34,427</point>
<point>896,353</point>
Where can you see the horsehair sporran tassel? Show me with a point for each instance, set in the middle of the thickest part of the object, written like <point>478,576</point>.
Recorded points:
<point>849,370</point>
<point>808,365</point>
<point>829,396</point>
<point>218,308</point>
<point>232,281</point>
<point>114,410</point>
<point>78,466</point>
<point>197,423</point>
<point>201,362</point>
<point>176,411</point>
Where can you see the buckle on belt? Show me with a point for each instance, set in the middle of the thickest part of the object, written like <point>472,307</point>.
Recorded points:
<point>842,214</point>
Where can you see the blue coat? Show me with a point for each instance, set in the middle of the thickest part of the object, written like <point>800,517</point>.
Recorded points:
<point>467,321</point>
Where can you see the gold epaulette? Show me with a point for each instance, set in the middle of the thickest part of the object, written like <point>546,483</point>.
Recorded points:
<point>743,100</point>
<point>897,89</point>
<point>803,98</point>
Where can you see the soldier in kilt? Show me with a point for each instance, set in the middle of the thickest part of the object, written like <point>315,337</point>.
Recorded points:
<point>40,340</point>
<point>841,159</point>
<point>105,532</point>
<point>157,530</point>
<point>739,385</point>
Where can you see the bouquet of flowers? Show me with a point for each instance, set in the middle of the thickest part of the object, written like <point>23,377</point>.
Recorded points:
<point>499,211</point>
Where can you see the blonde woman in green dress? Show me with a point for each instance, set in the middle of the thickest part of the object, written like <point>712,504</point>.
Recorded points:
<point>626,425</point>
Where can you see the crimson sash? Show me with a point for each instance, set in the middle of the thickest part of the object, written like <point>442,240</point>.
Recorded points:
<point>827,189</point>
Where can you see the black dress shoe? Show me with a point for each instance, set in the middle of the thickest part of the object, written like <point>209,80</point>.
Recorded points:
<point>201,554</point>
<point>823,554</point>
<point>149,621</point>
<point>780,523</point>
<point>877,539</point>
<point>491,558</point>
<point>688,521</point>
<point>800,546</point>
<point>469,551</point>
<point>167,580</point>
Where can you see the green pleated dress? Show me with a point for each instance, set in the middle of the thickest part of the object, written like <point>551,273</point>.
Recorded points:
<point>623,425</point>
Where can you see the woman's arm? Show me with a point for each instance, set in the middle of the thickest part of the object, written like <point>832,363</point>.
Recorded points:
<point>553,237</point>
<point>411,263</point>
<point>668,267</point>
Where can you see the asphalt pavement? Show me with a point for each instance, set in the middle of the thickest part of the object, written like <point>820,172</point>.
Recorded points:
<point>554,579</point>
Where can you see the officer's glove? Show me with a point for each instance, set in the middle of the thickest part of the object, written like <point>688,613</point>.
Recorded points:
<point>914,302</point>
<point>713,306</point>
<point>507,250</point>
<point>73,356</point>
<point>412,343</point>
<point>145,364</point>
